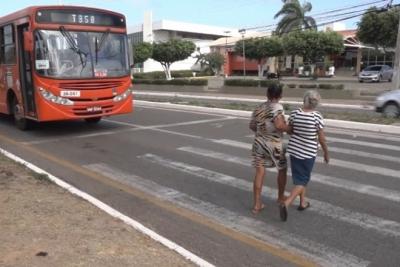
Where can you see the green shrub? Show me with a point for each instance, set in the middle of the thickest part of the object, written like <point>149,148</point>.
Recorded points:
<point>325,86</point>
<point>339,86</point>
<point>249,82</point>
<point>198,82</point>
<point>291,85</point>
<point>267,83</point>
<point>308,86</point>
<point>331,86</point>
<point>154,75</point>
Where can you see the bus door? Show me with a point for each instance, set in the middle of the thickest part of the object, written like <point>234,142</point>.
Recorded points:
<point>25,70</point>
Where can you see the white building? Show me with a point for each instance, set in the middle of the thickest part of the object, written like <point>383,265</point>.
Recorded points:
<point>165,30</point>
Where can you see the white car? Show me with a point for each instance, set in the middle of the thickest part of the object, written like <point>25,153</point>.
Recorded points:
<point>376,73</point>
<point>389,103</point>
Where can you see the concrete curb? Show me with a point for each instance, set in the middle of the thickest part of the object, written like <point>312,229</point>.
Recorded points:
<point>378,128</point>
<point>251,100</point>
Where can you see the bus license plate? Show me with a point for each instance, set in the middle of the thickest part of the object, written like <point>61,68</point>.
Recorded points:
<point>93,109</point>
<point>71,93</point>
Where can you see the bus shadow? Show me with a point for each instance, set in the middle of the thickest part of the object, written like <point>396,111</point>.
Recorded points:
<point>61,128</point>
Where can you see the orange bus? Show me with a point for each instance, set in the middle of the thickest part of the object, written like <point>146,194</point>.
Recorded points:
<point>64,63</point>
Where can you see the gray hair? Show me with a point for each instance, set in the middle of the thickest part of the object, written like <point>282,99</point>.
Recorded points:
<point>311,99</point>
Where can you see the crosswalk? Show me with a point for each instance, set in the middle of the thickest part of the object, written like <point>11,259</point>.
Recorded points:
<point>323,252</point>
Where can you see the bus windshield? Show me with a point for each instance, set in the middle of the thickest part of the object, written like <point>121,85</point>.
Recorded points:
<point>71,54</point>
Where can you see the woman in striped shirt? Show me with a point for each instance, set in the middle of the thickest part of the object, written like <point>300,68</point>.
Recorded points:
<point>307,129</point>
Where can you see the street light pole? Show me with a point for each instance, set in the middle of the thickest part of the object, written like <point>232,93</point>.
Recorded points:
<point>243,32</point>
<point>226,64</point>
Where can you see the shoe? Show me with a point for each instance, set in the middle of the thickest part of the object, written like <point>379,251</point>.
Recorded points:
<point>283,212</point>
<point>301,208</point>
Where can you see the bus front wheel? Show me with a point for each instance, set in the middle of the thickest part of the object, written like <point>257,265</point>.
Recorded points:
<point>21,122</point>
<point>93,120</point>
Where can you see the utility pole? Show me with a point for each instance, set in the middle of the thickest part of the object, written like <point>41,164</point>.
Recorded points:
<point>243,32</point>
<point>396,71</point>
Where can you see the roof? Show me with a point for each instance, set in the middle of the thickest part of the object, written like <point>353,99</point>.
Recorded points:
<point>170,25</point>
<point>232,40</point>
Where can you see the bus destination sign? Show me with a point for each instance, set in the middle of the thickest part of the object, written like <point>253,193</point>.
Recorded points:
<point>79,17</point>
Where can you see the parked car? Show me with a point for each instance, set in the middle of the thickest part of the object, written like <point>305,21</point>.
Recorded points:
<point>376,73</point>
<point>388,103</point>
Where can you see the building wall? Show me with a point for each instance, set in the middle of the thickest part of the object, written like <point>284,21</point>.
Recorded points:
<point>161,31</point>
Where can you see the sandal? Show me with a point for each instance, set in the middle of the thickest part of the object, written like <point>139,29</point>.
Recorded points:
<point>256,211</point>
<point>283,212</point>
<point>301,208</point>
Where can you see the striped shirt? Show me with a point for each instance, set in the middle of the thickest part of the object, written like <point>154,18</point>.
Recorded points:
<point>303,143</point>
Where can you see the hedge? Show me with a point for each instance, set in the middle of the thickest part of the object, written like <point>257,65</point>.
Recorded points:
<point>175,73</point>
<point>192,82</point>
<point>249,82</point>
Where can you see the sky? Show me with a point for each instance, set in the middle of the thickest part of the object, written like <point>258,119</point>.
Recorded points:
<point>223,13</point>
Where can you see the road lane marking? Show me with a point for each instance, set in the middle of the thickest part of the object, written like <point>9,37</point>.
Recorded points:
<point>362,220</point>
<point>355,134</point>
<point>370,190</point>
<point>364,154</point>
<point>134,127</point>
<point>113,212</point>
<point>169,207</point>
<point>317,252</point>
<point>347,151</point>
<point>334,162</point>
<point>362,143</point>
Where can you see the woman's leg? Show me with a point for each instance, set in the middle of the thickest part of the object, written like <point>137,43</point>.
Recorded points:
<point>297,190</point>
<point>257,188</point>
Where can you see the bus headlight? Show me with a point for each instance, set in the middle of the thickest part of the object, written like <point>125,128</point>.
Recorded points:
<point>122,96</point>
<point>55,99</point>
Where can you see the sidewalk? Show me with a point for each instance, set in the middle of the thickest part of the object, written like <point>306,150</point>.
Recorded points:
<point>44,225</point>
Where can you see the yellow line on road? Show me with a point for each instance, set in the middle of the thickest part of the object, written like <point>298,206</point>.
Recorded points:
<point>187,214</point>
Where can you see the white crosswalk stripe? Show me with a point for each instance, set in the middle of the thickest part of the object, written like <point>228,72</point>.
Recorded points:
<point>334,162</point>
<point>315,251</point>
<point>365,221</point>
<point>370,190</point>
<point>362,143</point>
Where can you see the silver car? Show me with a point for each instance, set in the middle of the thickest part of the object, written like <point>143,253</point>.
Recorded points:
<point>388,103</point>
<point>376,73</point>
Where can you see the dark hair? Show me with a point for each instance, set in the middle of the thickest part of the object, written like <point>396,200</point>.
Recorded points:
<point>274,91</point>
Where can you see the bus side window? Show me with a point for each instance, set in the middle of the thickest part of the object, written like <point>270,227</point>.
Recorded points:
<point>7,44</point>
<point>1,45</point>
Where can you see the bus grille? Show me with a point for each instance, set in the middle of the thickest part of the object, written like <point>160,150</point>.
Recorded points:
<point>84,85</point>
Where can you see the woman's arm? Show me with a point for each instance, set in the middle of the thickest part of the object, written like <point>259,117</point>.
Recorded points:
<point>322,141</point>
<point>280,124</point>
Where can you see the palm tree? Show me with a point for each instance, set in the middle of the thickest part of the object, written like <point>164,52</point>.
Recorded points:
<point>294,17</point>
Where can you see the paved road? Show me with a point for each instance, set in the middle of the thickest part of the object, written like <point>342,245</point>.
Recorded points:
<point>186,175</point>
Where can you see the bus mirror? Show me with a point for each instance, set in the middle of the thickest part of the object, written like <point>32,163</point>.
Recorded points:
<point>28,42</point>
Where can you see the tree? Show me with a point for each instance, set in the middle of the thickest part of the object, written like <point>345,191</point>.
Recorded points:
<point>169,52</point>
<point>142,52</point>
<point>213,61</point>
<point>260,49</point>
<point>313,45</point>
<point>379,29</point>
<point>294,18</point>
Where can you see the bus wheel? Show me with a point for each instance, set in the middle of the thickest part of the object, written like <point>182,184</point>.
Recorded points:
<point>93,120</point>
<point>21,122</point>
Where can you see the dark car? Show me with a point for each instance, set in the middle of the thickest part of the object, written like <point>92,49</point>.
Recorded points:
<point>376,73</point>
